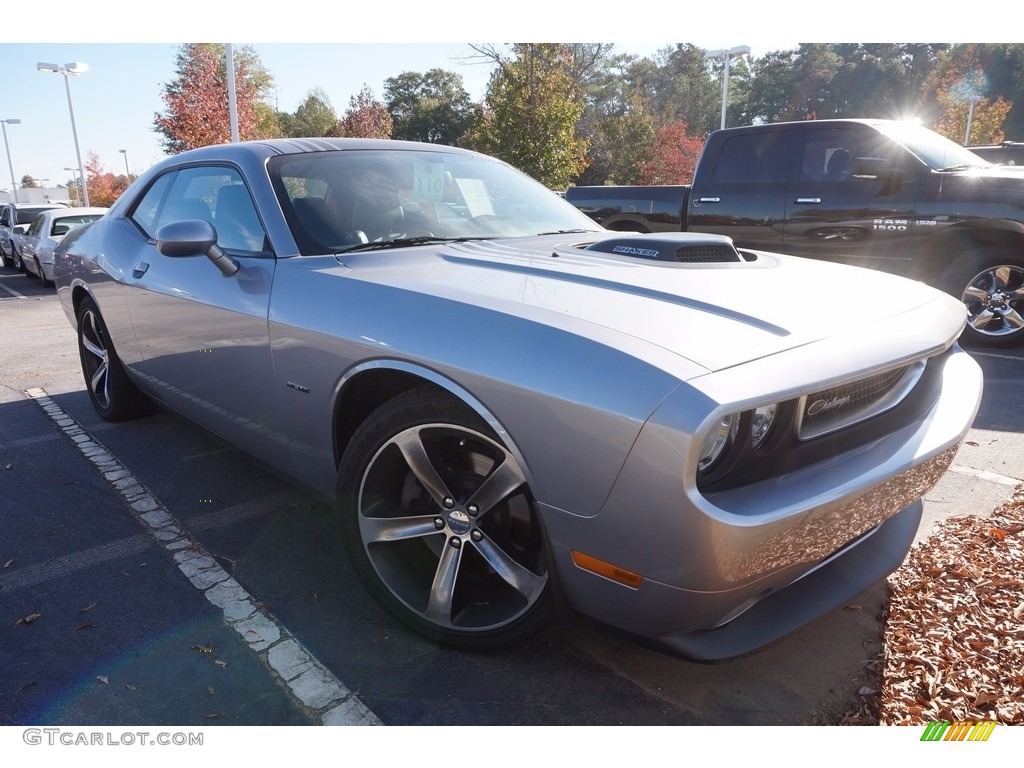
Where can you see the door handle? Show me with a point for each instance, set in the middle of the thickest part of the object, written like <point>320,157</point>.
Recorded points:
<point>809,200</point>
<point>140,269</point>
<point>709,199</point>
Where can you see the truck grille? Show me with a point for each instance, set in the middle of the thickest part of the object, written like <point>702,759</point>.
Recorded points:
<point>838,407</point>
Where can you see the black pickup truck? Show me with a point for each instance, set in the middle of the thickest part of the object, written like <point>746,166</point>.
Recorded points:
<point>877,193</point>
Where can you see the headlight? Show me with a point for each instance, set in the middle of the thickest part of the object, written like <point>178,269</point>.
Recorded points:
<point>717,440</point>
<point>761,423</point>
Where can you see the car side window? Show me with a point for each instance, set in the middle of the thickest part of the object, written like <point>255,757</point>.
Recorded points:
<point>832,154</point>
<point>754,157</point>
<point>37,224</point>
<point>214,194</point>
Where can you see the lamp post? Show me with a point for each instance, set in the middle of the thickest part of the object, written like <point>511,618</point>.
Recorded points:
<point>10,167</point>
<point>126,171</point>
<point>74,178</point>
<point>726,56</point>
<point>73,68</point>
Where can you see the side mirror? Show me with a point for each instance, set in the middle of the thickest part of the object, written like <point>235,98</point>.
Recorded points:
<point>194,237</point>
<point>21,229</point>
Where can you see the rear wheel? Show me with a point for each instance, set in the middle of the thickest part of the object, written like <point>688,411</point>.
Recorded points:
<point>441,525</point>
<point>112,393</point>
<point>991,286</point>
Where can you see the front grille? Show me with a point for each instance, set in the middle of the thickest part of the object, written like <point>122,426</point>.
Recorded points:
<point>838,407</point>
<point>706,254</point>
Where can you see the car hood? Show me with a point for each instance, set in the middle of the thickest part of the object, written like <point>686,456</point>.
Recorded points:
<point>716,315</point>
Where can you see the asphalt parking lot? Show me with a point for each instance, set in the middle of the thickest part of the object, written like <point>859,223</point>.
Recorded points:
<point>101,622</point>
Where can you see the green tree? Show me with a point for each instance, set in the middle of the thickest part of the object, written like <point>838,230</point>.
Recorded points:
<point>196,101</point>
<point>314,117</point>
<point>533,104</point>
<point>433,106</point>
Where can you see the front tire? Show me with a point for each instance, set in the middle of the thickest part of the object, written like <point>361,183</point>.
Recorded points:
<point>112,393</point>
<point>441,525</point>
<point>991,286</point>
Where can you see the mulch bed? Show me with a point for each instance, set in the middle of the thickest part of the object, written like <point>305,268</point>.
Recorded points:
<point>953,646</point>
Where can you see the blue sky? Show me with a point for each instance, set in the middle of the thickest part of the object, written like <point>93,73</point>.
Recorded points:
<point>337,47</point>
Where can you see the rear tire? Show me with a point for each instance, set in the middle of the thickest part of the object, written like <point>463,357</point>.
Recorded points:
<point>112,393</point>
<point>991,285</point>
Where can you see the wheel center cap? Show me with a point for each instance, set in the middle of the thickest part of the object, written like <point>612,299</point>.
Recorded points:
<point>459,522</point>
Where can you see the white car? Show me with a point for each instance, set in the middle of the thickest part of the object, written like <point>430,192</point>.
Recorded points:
<point>47,229</point>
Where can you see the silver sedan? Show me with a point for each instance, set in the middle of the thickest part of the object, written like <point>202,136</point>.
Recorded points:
<point>46,230</point>
<point>515,411</point>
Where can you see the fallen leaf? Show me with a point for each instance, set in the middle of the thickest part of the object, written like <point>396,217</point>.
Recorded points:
<point>88,607</point>
<point>103,679</point>
<point>28,619</point>
<point>8,563</point>
<point>971,443</point>
<point>1018,612</point>
<point>8,466</point>
<point>87,625</point>
<point>866,691</point>
<point>130,687</point>
<point>213,716</point>
<point>853,607</point>
<point>221,664</point>
<point>209,690</point>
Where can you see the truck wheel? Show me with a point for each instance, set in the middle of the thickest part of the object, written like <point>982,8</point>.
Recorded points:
<point>991,286</point>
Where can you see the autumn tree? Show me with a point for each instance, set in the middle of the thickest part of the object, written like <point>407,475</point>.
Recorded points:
<point>366,117</point>
<point>963,93</point>
<point>104,187</point>
<point>532,107</point>
<point>197,113</point>
<point>433,106</point>
<point>674,156</point>
<point>28,182</point>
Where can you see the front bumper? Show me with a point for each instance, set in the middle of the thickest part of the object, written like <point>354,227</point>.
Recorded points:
<point>724,578</point>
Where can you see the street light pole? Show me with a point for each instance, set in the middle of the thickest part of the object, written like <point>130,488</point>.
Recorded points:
<point>74,68</point>
<point>10,166</point>
<point>74,178</point>
<point>726,56</point>
<point>126,171</point>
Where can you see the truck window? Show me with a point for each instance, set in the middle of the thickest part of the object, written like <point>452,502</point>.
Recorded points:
<point>754,157</point>
<point>829,154</point>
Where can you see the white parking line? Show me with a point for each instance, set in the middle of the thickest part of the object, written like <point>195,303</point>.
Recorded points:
<point>984,474</point>
<point>996,355</point>
<point>309,681</point>
<point>11,291</point>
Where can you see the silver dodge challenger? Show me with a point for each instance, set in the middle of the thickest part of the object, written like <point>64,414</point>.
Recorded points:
<point>516,412</point>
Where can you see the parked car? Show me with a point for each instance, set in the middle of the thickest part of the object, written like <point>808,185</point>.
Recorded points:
<point>510,405</point>
<point>14,221</point>
<point>46,230</point>
<point>1006,153</point>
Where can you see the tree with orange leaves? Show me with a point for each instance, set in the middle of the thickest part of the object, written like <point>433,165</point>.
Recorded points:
<point>197,112</point>
<point>674,156</point>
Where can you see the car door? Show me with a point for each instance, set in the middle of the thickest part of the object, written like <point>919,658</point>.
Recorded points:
<point>853,198</point>
<point>743,193</point>
<point>202,337</point>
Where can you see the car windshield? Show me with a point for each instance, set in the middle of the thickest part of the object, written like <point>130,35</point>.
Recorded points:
<point>385,198</point>
<point>937,152</point>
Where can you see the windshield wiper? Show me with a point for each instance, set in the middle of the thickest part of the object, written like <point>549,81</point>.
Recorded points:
<point>962,167</point>
<point>579,231</point>
<point>402,242</point>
